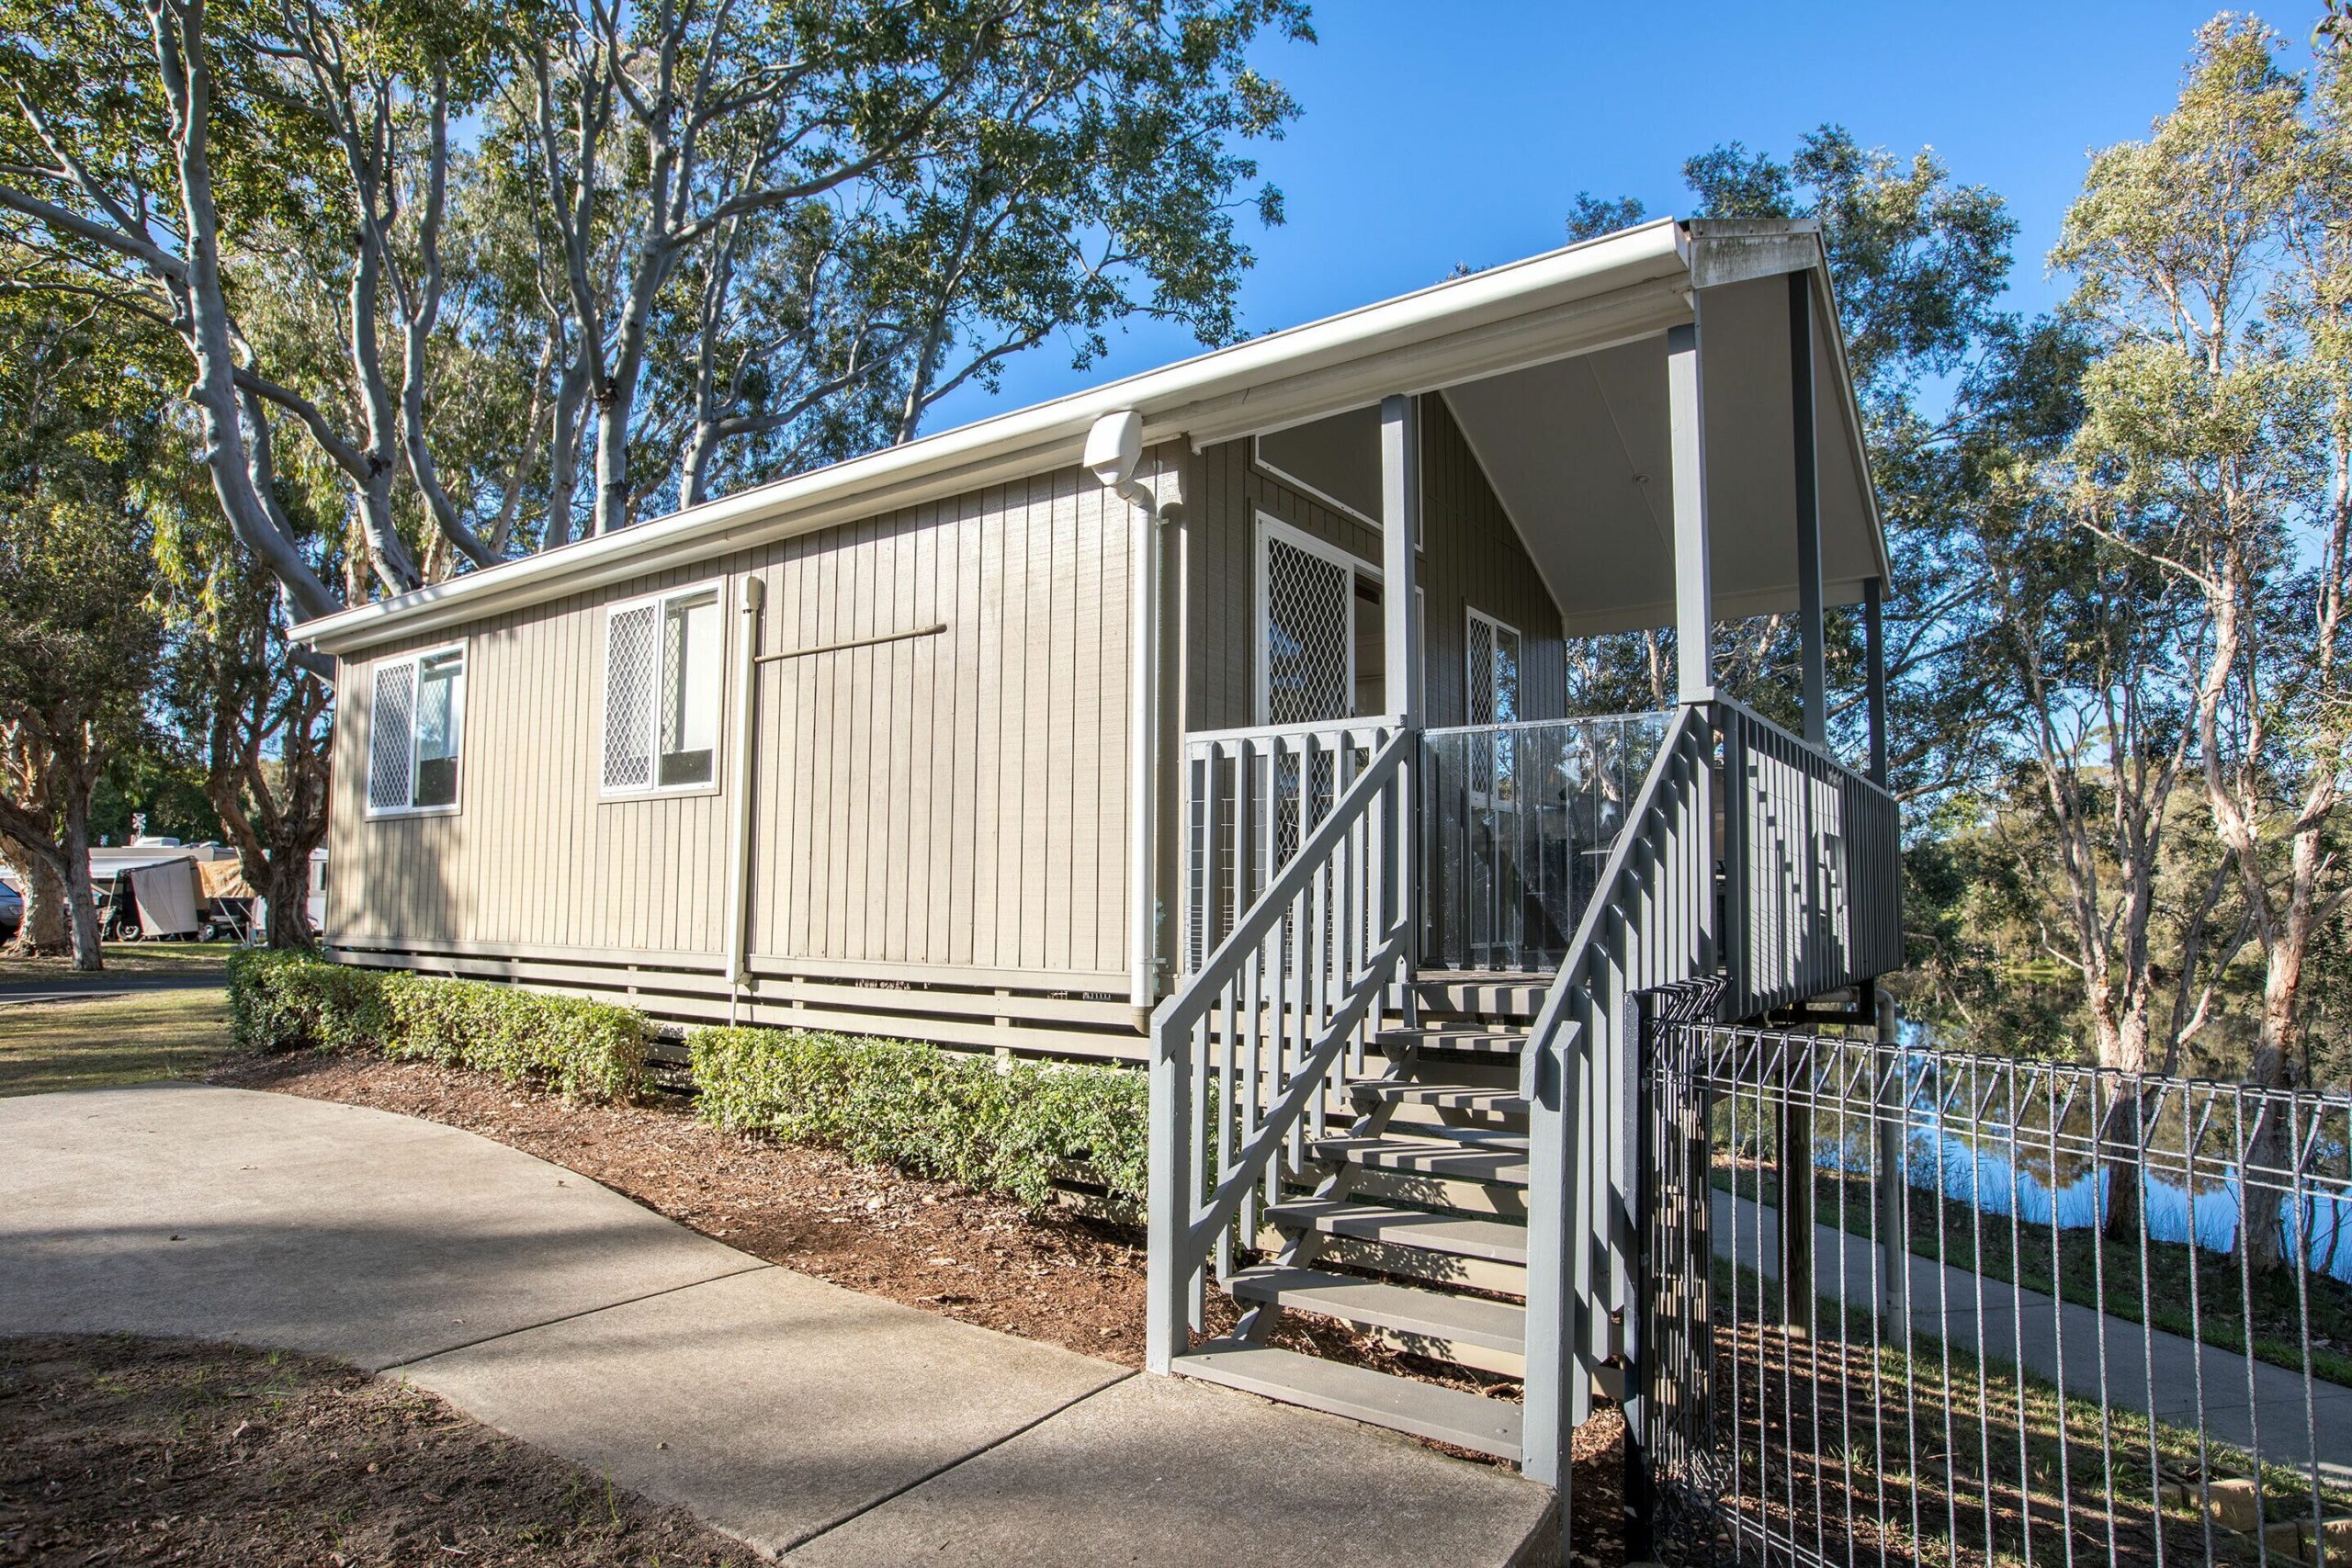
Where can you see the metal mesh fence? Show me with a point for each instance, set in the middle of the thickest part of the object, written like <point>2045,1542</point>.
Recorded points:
<point>1906,1305</point>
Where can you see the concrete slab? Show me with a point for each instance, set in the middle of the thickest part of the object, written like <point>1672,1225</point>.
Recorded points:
<point>805,1419</point>
<point>177,1209</point>
<point>1159,1471</point>
<point>771,1404</point>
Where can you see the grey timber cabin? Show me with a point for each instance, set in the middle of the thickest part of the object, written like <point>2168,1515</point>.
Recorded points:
<point>1214,719</point>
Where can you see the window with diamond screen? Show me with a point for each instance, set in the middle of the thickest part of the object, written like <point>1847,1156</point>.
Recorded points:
<point>664,670</point>
<point>416,730</point>
<point>629,662</point>
<point>1308,661</point>
<point>390,738</point>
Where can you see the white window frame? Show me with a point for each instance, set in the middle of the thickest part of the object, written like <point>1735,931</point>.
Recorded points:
<point>415,662</point>
<point>1496,626</point>
<point>1271,529</point>
<point>656,789</point>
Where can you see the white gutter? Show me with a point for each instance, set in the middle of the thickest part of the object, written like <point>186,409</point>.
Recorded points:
<point>1584,296</point>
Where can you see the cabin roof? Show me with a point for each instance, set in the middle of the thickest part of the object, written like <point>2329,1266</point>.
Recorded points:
<point>1555,365</point>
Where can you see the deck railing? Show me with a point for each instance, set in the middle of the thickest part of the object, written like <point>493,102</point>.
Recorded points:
<point>1812,865</point>
<point>1249,1053</point>
<point>1249,798</point>
<point>1516,820</point>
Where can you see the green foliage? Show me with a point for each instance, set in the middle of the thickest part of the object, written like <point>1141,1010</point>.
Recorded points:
<point>293,1001</point>
<point>1007,1128</point>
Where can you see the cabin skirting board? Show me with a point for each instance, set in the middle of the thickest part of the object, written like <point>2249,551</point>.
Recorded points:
<point>1081,1017</point>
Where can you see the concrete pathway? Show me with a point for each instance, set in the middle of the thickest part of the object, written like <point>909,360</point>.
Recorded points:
<point>815,1423</point>
<point>2250,1404</point>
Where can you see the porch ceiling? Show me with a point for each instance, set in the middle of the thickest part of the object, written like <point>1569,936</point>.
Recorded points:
<point>1577,450</point>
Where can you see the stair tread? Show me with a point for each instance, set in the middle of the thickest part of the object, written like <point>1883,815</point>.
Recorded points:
<point>1380,1304</point>
<point>1455,1038</point>
<point>1444,1096</point>
<point>1381,1399</point>
<point>1459,1236</point>
<point>1504,1165</point>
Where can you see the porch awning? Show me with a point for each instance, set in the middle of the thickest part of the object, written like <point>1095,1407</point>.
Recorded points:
<point>1577,449</point>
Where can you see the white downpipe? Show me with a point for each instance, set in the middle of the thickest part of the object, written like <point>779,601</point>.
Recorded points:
<point>739,774</point>
<point>1143,756</point>
<point>1114,447</point>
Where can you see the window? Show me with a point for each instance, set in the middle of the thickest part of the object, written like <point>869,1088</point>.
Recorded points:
<point>1318,629</point>
<point>663,668</point>
<point>416,732</point>
<point>1493,669</point>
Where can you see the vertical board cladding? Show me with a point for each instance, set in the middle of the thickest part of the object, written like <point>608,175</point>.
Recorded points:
<point>1471,558</point>
<point>948,802</point>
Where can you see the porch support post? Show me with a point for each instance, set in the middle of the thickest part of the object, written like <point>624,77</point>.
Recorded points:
<point>1874,698</point>
<point>1400,527</point>
<point>1694,655</point>
<point>1810,631</point>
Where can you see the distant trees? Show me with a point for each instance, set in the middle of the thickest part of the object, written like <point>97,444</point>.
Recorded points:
<point>80,446</point>
<point>2117,624</point>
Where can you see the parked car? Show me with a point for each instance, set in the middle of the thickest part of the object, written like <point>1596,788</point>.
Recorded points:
<point>11,910</point>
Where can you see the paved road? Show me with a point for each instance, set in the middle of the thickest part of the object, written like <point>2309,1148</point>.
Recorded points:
<point>2250,1404</point>
<point>105,983</point>
<point>811,1421</point>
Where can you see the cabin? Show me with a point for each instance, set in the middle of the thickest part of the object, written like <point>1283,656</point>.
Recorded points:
<point>1216,720</point>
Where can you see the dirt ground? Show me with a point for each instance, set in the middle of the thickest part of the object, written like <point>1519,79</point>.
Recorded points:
<point>120,1451</point>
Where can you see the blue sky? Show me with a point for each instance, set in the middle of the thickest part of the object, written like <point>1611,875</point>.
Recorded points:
<point>1438,133</point>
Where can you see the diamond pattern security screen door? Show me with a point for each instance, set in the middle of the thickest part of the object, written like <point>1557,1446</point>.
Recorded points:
<point>1308,649</point>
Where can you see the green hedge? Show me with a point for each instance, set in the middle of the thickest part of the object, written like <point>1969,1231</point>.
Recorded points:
<point>1009,1128</point>
<point>294,1001</point>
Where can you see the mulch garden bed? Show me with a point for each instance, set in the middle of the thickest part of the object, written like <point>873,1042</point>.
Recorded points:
<point>121,1450</point>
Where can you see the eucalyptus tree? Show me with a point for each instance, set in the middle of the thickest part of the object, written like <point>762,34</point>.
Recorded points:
<point>263,184</point>
<point>2212,260</point>
<point>946,185</point>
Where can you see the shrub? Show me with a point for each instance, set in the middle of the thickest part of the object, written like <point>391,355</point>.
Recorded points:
<point>1003,1128</point>
<point>294,1001</point>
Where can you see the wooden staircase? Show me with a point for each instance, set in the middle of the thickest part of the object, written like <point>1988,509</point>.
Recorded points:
<point>1434,1159</point>
<point>1409,1224</point>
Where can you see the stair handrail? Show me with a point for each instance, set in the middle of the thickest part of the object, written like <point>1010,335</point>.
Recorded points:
<point>1670,824</point>
<point>1183,1231</point>
<point>1613,871</point>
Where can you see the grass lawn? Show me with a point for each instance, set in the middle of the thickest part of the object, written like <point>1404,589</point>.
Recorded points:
<point>2108,1277</point>
<point>112,1041</point>
<point>1927,1457</point>
<point>125,958</point>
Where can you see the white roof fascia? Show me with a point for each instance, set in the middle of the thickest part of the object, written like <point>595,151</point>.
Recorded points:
<point>1588,296</point>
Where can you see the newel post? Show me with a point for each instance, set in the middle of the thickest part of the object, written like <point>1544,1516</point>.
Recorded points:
<point>1173,1182</point>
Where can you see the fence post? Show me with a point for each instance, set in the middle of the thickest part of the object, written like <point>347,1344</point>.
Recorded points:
<point>1893,1160</point>
<point>1794,1132</point>
<point>1640,1496</point>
